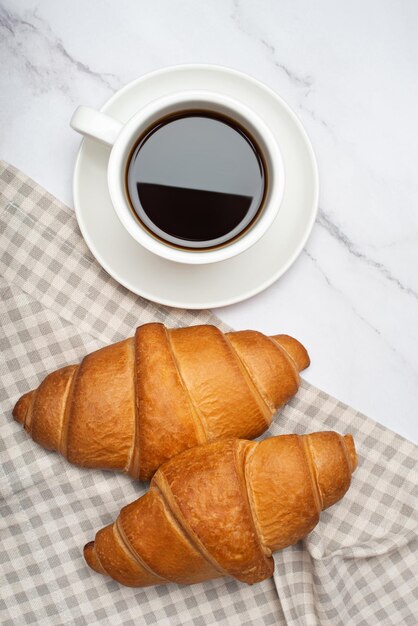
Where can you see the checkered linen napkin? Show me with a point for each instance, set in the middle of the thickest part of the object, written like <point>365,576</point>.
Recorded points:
<point>360,564</point>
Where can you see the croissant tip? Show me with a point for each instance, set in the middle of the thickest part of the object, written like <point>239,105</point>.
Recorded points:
<point>21,407</point>
<point>91,558</point>
<point>295,350</point>
<point>87,551</point>
<point>351,449</point>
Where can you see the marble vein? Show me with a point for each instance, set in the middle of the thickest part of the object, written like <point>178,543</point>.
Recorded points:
<point>329,282</point>
<point>316,118</point>
<point>110,80</point>
<point>335,231</point>
<point>306,82</point>
<point>10,21</point>
<point>365,321</point>
<point>301,81</point>
<point>15,25</point>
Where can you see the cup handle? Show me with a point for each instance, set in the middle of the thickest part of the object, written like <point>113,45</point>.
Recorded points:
<point>96,125</point>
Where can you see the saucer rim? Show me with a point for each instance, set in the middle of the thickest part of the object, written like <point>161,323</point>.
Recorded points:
<point>272,278</point>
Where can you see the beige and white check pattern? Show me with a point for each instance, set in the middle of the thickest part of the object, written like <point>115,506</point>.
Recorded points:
<point>359,566</point>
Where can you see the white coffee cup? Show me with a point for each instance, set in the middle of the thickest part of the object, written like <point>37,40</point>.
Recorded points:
<point>122,138</point>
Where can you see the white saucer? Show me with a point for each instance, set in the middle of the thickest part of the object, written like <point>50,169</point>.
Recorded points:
<point>217,284</point>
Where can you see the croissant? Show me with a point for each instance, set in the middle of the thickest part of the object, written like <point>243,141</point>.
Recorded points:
<point>133,405</point>
<point>223,508</point>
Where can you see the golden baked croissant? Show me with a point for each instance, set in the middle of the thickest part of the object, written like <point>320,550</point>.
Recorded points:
<point>223,508</point>
<point>135,404</point>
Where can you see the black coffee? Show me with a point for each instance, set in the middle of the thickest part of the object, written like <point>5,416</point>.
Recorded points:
<point>196,180</point>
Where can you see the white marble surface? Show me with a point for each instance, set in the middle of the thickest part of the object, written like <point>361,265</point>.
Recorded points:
<point>349,70</point>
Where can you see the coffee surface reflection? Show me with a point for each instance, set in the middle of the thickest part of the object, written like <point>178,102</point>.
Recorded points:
<point>196,180</point>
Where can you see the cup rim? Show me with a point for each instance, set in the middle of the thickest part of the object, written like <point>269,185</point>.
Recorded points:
<point>160,107</point>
